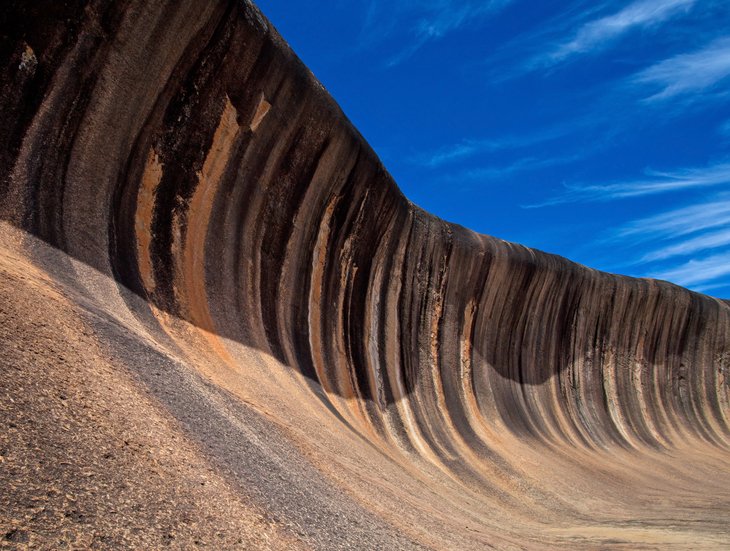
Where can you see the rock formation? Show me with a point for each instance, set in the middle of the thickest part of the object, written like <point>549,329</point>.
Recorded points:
<point>223,324</point>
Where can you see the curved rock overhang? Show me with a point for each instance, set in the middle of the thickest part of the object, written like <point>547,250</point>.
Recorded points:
<point>182,171</point>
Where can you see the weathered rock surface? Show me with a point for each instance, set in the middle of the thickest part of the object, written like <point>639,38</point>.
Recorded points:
<point>222,324</point>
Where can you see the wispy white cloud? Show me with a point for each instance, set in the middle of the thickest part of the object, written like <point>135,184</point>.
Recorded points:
<point>710,287</point>
<point>661,240</point>
<point>434,19</point>
<point>700,271</point>
<point>469,148</point>
<point>704,242</point>
<point>655,182</point>
<point>522,165</point>
<point>680,222</point>
<point>462,150</point>
<point>690,73</point>
<point>596,34</point>
<point>657,242</point>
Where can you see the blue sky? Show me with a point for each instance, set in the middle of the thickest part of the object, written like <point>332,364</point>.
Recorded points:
<point>599,131</point>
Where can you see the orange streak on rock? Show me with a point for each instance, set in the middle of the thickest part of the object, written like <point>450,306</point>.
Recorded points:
<point>143,218</point>
<point>198,220</point>
<point>261,111</point>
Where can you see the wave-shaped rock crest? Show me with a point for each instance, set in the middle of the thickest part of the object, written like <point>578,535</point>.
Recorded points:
<point>347,369</point>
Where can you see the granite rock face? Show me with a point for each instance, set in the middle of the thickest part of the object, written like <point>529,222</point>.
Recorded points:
<point>205,232</point>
